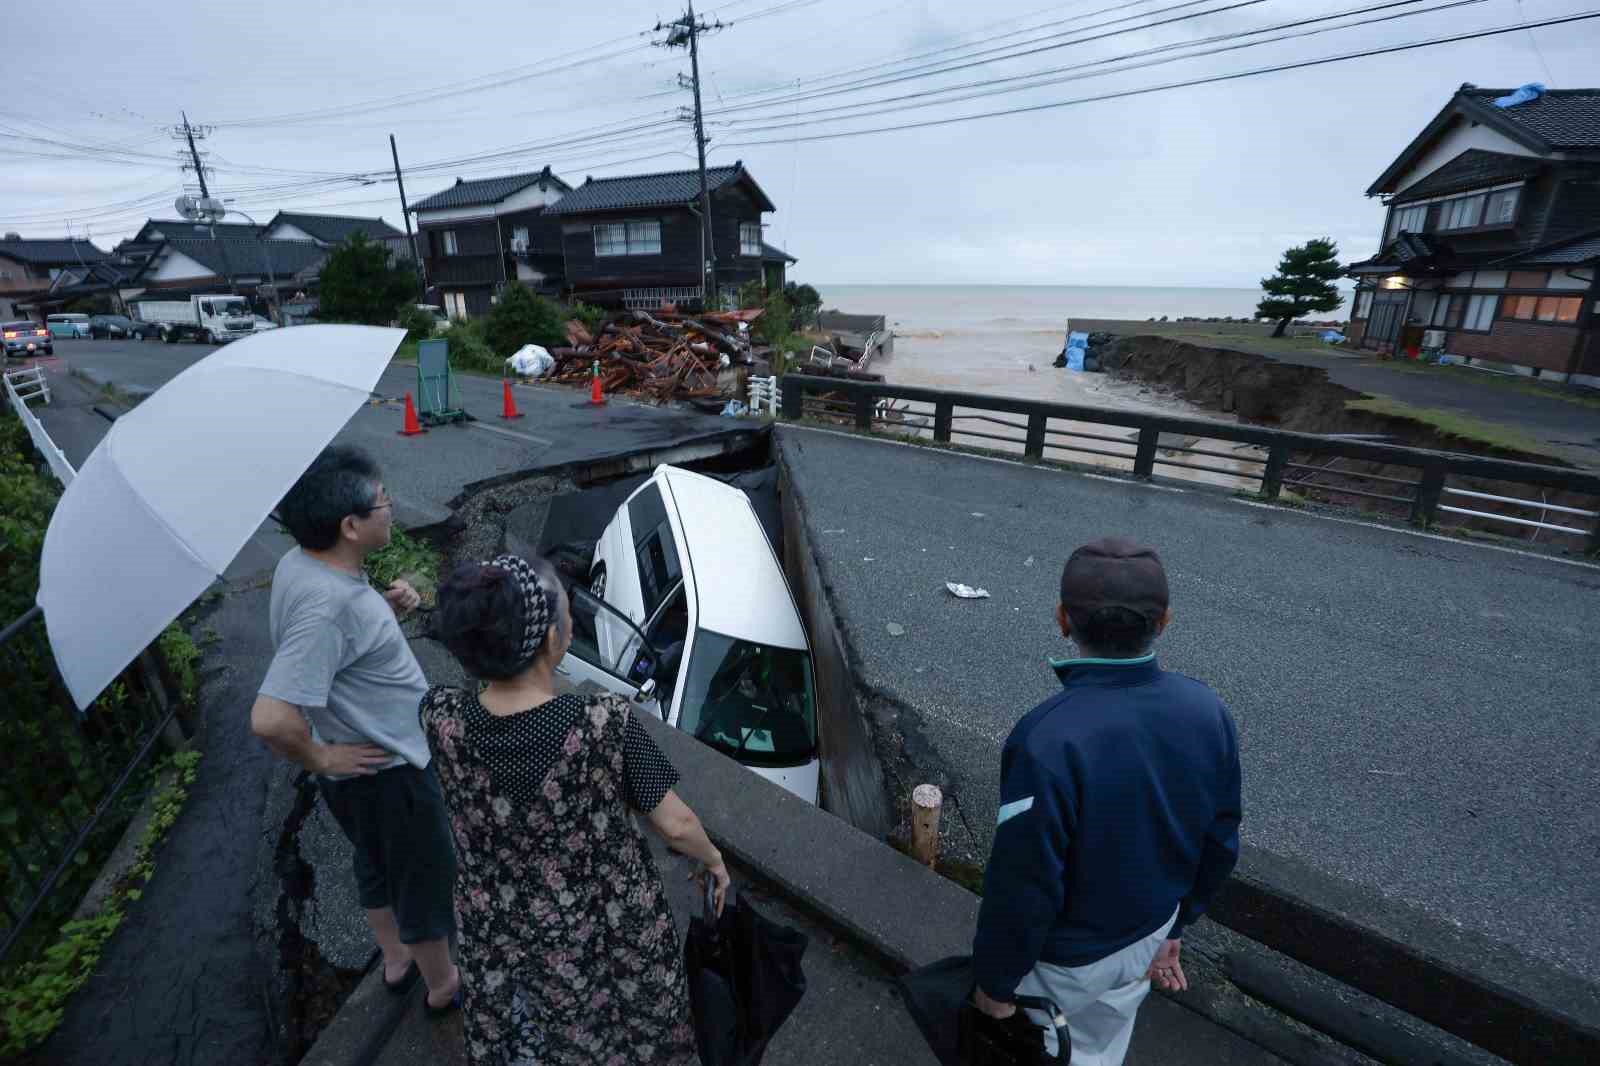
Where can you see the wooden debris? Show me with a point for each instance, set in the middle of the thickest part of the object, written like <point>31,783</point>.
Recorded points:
<point>660,357</point>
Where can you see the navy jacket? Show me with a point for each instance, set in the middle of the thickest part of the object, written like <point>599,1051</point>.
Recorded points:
<point>1119,803</point>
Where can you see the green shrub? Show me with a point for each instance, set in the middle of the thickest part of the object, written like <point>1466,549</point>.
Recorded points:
<point>404,554</point>
<point>417,323</point>
<point>775,326</point>
<point>469,350</point>
<point>591,316</point>
<point>521,317</point>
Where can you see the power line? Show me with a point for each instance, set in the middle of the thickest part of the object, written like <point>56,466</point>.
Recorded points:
<point>1188,83</point>
<point>1083,71</point>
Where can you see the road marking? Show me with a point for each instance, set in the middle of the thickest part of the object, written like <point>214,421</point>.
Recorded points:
<point>510,433</point>
<point>1275,508</point>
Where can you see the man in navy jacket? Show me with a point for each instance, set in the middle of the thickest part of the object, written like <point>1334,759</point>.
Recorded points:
<point>1119,815</point>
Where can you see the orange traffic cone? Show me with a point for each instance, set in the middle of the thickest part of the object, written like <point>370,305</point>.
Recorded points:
<point>412,428</point>
<point>509,407</point>
<point>597,398</point>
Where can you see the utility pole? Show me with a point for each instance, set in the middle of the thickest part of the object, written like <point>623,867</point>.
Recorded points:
<point>186,133</point>
<point>684,32</point>
<point>405,211</point>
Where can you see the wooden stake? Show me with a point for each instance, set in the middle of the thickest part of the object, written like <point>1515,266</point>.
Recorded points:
<point>926,801</point>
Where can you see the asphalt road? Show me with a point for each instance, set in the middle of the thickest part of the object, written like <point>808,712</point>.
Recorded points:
<point>1416,715</point>
<point>425,474</point>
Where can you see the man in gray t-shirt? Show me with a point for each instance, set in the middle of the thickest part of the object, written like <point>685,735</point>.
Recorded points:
<point>340,698</point>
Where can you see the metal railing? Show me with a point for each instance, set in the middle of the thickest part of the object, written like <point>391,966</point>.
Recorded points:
<point>63,774</point>
<point>1261,459</point>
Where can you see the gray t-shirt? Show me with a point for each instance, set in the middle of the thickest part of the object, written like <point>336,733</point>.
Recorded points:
<point>339,655</point>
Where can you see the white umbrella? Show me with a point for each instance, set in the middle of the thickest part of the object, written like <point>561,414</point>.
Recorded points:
<point>182,481</point>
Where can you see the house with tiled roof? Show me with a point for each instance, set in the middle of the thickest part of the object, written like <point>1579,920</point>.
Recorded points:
<point>479,235</point>
<point>248,265</point>
<point>1491,243</point>
<point>28,267</point>
<point>638,240</point>
<point>329,231</point>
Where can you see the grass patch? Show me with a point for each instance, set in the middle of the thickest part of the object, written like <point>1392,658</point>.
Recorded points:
<point>1452,424</point>
<point>404,554</point>
<point>406,354</point>
<point>34,996</point>
<point>1243,340</point>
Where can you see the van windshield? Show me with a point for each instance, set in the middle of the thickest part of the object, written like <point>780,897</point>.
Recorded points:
<point>752,701</point>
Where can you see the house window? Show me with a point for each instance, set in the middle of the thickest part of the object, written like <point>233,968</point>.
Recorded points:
<point>1363,307</point>
<point>1565,309</point>
<point>455,304</point>
<point>750,238</point>
<point>627,238</point>
<point>1409,219</point>
<point>447,239</point>
<point>519,239</point>
<point>1479,314</point>
<point>1463,212</point>
<point>1502,209</point>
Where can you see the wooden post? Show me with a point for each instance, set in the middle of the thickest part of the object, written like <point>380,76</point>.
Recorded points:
<point>942,412</point>
<point>1272,476</point>
<point>1034,448</point>
<point>926,801</point>
<point>1144,462</point>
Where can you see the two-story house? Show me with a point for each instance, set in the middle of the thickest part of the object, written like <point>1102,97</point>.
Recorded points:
<point>1492,236</point>
<point>329,231</point>
<point>638,241</point>
<point>477,236</point>
<point>27,268</point>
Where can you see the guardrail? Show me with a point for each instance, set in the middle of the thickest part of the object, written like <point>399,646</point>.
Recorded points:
<point>1282,458</point>
<point>22,386</point>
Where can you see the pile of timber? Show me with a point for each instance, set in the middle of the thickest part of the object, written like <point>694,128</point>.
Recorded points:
<point>661,357</point>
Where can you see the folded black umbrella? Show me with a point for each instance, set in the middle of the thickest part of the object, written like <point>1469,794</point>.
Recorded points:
<point>744,981</point>
<point>939,998</point>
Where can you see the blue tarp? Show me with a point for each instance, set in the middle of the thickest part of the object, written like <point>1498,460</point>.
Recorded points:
<point>1077,347</point>
<point>1531,91</point>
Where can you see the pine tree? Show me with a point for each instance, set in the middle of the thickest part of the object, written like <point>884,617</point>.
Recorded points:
<point>1304,282</point>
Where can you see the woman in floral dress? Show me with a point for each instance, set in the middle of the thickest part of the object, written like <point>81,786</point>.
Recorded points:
<point>568,953</point>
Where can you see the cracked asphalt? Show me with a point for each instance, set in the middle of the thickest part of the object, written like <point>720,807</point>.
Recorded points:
<point>1416,714</point>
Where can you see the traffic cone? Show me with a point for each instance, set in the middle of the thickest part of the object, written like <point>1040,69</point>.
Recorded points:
<point>597,398</point>
<point>509,406</point>
<point>412,428</point>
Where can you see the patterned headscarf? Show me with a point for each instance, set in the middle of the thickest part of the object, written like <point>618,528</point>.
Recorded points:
<point>538,611</point>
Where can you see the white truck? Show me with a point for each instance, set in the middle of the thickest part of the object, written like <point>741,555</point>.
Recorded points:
<point>216,319</point>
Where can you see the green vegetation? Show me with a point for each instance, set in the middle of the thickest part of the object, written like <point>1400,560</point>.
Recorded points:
<point>469,350</point>
<point>34,995</point>
<point>521,317</point>
<point>405,355</point>
<point>592,317</point>
<point>1452,424</point>
<point>403,555</point>
<point>363,282</point>
<point>1304,283</point>
<point>417,323</point>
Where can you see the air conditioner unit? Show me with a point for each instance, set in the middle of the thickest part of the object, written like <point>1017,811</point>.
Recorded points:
<point>1433,338</point>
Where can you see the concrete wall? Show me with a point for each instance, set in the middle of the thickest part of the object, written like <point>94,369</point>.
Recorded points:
<point>852,781</point>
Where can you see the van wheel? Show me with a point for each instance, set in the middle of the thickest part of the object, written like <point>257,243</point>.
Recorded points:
<point>597,582</point>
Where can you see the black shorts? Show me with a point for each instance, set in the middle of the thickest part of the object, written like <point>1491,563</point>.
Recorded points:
<point>404,855</point>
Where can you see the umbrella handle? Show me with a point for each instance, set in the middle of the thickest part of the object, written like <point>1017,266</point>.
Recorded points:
<point>708,885</point>
<point>1058,1022</point>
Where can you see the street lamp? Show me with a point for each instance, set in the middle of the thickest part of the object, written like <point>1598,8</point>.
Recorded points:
<point>211,210</point>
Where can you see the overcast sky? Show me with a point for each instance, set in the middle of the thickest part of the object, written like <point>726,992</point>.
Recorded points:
<point>1192,186</point>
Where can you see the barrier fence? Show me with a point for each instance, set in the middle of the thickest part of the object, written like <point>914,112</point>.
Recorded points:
<point>1261,460</point>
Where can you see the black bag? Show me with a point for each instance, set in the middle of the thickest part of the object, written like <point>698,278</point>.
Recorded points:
<point>939,997</point>
<point>744,981</point>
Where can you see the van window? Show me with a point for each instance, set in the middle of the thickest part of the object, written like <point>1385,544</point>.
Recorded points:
<point>654,547</point>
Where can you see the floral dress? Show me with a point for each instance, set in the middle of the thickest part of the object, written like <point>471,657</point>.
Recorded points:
<point>568,953</point>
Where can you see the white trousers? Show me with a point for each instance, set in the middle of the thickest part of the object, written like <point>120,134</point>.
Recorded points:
<point>1100,1000</point>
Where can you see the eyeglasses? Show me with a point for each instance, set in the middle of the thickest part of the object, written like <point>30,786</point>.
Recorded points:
<point>377,507</point>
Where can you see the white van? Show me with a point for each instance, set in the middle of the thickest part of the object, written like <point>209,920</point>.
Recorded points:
<point>688,615</point>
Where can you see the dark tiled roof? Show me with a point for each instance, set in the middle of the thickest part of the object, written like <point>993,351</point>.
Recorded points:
<point>485,190</point>
<point>51,252</point>
<point>177,228</point>
<point>1472,169</point>
<point>1585,249</point>
<point>1561,118</point>
<point>241,255</point>
<point>772,251</point>
<point>632,191</point>
<point>1406,248</point>
<point>336,229</point>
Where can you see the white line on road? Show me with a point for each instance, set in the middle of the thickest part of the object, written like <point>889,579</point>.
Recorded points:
<point>510,433</point>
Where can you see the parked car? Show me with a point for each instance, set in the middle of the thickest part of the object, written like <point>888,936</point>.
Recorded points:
<point>110,327</point>
<point>688,615</point>
<point>263,324</point>
<point>26,338</point>
<point>67,325</point>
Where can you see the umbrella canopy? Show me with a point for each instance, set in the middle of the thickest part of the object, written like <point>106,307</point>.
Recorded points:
<point>182,481</point>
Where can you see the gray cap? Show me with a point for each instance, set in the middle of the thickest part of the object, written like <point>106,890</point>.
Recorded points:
<point>1115,572</point>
